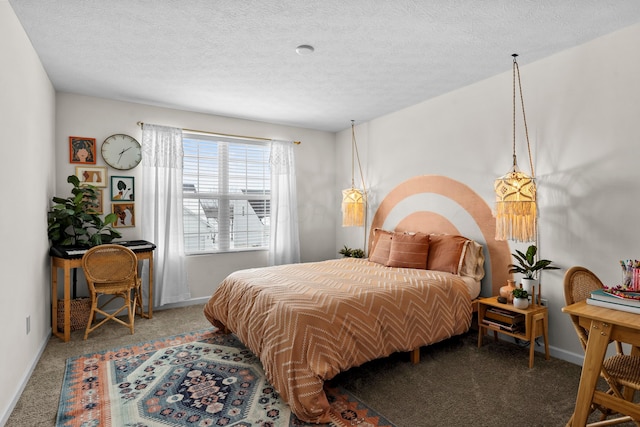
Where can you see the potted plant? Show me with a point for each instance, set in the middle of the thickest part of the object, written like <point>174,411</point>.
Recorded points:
<point>73,221</point>
<point>528,266</point>
<point>520,298</point>
<point>347,252</point>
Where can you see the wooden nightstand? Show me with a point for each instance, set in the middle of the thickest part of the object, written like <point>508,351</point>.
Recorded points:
<point>536,320</point>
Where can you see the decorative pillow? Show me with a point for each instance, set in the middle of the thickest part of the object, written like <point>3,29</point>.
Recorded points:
<point>409,250</point>
<point>381,246</point>
<point>446,252</point>
<point>473,262</point>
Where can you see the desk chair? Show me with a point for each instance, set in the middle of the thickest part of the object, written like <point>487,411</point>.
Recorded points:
<point>621,372</point>
<point>111,270</point>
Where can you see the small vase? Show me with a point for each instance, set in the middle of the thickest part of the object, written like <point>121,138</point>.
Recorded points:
<point>506,290</point>
<point>521,303</point>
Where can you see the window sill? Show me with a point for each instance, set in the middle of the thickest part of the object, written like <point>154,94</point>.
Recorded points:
<point>233,251</point>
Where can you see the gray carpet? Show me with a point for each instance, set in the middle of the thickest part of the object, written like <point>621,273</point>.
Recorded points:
<point>456,384</point>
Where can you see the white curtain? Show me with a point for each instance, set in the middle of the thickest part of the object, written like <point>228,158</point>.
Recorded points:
<point>285,243</point>
<point>161,215</point>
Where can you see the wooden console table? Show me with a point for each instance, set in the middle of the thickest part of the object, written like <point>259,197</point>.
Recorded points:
<point>67,263</point>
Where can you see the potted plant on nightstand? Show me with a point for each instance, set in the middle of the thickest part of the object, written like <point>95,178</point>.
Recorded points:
<point>520,298</point>
<point>528,266</point>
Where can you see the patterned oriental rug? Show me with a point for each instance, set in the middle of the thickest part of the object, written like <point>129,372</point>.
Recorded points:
<point>199,379</point>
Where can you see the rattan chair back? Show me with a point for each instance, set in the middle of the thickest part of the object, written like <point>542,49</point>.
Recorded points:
<point>579,282</point>
<point>110,264</point>
<point>111,270</point>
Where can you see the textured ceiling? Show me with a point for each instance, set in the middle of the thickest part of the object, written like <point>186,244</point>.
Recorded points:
<point>237,58</point>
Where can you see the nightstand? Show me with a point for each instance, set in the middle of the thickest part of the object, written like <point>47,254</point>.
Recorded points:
<point>531,322</point>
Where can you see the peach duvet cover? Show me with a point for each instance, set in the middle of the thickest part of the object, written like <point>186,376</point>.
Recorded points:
<point>308,322</point>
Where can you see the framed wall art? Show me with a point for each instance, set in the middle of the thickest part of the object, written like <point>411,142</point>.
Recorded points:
<point>82,150</point>
<point>94,175</point>
<point>122,188</point>
<point>99,206</point>
<point>126,214</point>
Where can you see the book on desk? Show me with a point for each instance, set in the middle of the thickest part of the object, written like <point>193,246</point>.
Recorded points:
<point>601,298</point>
<point>618,297</point>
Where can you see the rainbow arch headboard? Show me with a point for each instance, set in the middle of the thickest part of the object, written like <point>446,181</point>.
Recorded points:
<point>391,209</point>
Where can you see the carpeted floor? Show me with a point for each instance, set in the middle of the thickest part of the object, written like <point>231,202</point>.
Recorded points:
<point>455,384</point>
<point>200,378</point>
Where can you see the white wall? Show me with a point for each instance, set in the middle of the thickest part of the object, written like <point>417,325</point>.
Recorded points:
<point>27,122</point>
<point>582,110</point>
<point>98,118</point>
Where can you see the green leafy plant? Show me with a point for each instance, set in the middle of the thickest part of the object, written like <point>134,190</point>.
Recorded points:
<point>527,264</point>
<point>357,253</point>
<point>346,251</point>
<point>520,293</point>
<point>351,253</point>
<point>74,221</point>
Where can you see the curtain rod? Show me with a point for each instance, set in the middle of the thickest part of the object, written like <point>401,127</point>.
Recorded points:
<point>227,134</point>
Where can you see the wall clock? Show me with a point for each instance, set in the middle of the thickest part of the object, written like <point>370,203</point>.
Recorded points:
<point>121,151</point>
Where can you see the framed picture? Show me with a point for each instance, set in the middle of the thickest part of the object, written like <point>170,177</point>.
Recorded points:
<point>122,188</point>
<point>99,207</point>
<point>94,175</point>
<point>126,214</point>
<point>82,150</point>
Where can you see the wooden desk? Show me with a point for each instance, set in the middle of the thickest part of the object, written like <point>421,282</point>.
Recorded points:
<point>69,263</point>
<point>603,324</point>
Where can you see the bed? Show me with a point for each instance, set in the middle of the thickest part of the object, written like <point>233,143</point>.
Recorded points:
<point>307,322</point>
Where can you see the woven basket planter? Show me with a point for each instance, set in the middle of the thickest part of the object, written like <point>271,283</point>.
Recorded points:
<point>80,309</point>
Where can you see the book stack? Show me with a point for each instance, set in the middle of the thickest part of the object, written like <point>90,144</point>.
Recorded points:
<point>504,319</point>
<point>617,300</point>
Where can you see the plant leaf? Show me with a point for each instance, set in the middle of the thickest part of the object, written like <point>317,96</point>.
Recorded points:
<point>74,180</point>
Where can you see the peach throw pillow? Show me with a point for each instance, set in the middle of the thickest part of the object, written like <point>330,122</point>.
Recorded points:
<point>446,252</point>
<point>381,246</point>
<point>409,250</point>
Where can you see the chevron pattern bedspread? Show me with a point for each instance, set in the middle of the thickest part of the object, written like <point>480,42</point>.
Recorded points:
<point>308,322</point>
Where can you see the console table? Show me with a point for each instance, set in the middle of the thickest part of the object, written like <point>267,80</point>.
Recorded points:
<point>70,258</point>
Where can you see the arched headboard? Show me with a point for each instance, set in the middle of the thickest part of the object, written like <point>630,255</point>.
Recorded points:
<point>498,253</point>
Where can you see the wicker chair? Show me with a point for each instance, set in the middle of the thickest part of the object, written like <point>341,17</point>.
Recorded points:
<point>621,372</point>
<point>111,271</point>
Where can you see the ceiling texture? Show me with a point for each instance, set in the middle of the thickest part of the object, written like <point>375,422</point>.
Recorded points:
<point>238,58</point>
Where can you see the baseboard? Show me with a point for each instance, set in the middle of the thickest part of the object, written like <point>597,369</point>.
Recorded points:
<point>24,381</point>
<point>565,355</point>
<point>192,301</point>
<point>578,358</point>
<point>556,352</point>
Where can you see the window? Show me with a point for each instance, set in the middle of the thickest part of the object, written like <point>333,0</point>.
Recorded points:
<point>226,194</point>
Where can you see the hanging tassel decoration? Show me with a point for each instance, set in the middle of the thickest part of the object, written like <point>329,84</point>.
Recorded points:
<point>516,208</point>
<point>352,207</point>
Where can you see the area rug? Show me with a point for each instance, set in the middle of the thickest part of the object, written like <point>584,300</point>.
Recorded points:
<point>204,378</point>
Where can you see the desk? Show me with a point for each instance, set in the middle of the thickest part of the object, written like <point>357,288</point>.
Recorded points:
<point>69,263</point>
<point>603,324</point>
